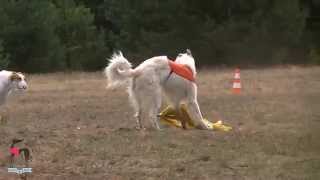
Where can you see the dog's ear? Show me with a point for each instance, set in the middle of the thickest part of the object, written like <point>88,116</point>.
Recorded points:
<point>189,52</point>
<point>15,77</point>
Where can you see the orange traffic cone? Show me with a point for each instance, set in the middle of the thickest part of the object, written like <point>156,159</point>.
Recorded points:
<point>236,87</point>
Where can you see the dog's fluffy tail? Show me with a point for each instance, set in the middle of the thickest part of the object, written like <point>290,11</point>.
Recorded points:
<point>119,71</point>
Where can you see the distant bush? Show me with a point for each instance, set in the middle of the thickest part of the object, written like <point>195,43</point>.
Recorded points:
<point>59,35</point>
<point>315,55</point>
<point>45,36</point>
<point>4,58</point>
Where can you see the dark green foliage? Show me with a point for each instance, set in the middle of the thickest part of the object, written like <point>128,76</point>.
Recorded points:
<point>4,58</point>
<point>83,43</point>
<point>54,35</point>
<point>28,33</point>
<point>231,32</point>
<point>43,36</point>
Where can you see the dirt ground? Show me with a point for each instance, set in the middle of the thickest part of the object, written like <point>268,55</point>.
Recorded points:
<point>77,129</point>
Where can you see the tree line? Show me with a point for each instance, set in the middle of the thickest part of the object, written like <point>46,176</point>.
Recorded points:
<point>60,35</point>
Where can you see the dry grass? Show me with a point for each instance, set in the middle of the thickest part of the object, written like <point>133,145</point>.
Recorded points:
<point>276,133</point>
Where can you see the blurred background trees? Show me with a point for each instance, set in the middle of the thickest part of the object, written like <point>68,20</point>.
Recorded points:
<point>59,35</point>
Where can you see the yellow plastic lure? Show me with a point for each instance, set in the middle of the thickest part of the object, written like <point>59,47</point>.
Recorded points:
<point>169,116</point>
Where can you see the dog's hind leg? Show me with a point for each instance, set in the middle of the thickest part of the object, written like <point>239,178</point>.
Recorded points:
<point>154,118</point>
<point>155,108</point>
<point>138,119</point>
<point>153,104</point>
<point>138,116</point>
<point>136,106</point>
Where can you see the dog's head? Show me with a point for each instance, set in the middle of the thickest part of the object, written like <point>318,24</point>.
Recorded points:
<point>187,59</point>
<point>18,81</point>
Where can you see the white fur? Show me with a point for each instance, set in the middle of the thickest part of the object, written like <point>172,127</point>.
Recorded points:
<point>7,86</point>
<point>149,81</point>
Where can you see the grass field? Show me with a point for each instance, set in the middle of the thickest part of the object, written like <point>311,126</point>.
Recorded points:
<point>78,130</point>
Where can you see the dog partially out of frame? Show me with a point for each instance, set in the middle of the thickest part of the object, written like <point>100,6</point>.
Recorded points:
<point>148,82</point>
<point>10,82</point>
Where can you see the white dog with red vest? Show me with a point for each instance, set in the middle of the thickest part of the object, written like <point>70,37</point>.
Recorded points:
<point>11,82</point>
<point>153,78</point>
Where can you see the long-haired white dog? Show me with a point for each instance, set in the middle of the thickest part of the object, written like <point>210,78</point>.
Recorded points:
<point>150,80</point>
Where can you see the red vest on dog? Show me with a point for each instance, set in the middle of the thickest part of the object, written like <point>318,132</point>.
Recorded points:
<point>181,70</point>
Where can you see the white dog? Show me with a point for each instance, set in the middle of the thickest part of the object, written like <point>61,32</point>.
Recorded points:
<point>10,82</point>
<point>153,78</point>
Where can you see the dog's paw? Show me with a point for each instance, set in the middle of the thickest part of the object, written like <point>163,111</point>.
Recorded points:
<point>140,128</point>
<point>110,88</point>
<point>201,127</point>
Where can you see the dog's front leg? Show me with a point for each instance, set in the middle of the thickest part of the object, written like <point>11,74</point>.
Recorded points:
<point>156,122</point>
<point>195,113</point>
